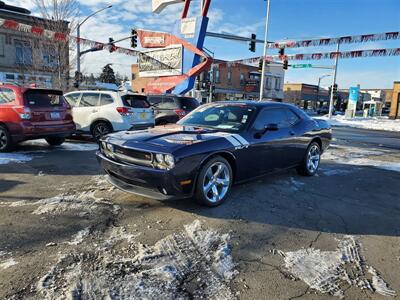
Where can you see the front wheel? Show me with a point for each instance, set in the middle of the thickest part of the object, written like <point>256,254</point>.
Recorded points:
<point>55,141</point>
<point>214,182</point>
<point>6,143</point>
<point>309,165</point>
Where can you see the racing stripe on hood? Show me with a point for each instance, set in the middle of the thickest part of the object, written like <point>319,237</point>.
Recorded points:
<point>233,141</point>
<point>241,140</point>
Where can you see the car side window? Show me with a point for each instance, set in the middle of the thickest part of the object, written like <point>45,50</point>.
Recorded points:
<point>6,95</point>
<point>72,99</point>
<point>271,116</point>
<point>106,99</point>
<point>168,103</point>
<point>154,100</point>
<point>292,118</point>
<point>89,99</point>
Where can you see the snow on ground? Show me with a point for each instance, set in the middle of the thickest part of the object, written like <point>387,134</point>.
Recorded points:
<point>6,158</point>
<point>358,156</point>
<point>330,271</point>
<point>194,263</point>
<point>7,263</point>
<point>374,123</point>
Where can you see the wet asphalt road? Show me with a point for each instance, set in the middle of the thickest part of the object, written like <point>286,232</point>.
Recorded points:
<point>279,212</point>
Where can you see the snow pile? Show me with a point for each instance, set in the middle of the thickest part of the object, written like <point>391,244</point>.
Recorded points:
<point>194,263</point>
<point>79,237</point>
<point>8,262</point>
<point>329,271</point>
<point>360,157</point>
<point>374,123</point>
<point>6,158</point>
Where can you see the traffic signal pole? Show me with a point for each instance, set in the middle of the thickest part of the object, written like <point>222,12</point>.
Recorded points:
<point>334,80</point>
<point>265,53</point>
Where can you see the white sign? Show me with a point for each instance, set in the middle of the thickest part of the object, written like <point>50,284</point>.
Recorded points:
<point>160,5</point>
<point>161,62</point>
<point>154,40</point>
<point>188,27</point>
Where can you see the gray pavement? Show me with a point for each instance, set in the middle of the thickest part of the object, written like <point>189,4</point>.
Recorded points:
<point>353,194</point>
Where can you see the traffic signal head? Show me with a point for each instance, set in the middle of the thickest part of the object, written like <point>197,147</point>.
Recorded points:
<point>133,38</point>
<point>252,45</point>
<point>111,43</point>
<point>281,51</point>
<point>335,88</point>
<point>285,64</point>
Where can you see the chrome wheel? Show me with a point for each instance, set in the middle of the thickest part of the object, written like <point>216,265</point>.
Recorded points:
<point>216,182</point>
<point>100,130</point>
<point>3,139</point>
<point>313,158</point>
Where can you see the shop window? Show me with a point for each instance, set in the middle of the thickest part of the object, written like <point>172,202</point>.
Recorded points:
<point>2,44</point>
<point>242,79</point>
<point>229,75</point>
<point>23,50</point>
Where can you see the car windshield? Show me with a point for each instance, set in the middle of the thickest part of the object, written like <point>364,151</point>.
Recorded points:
<point>135,101</point>
<point>43,98</point>
<point>220,116</point>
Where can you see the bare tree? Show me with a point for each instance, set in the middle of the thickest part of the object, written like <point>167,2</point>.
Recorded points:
<point>59,16</point>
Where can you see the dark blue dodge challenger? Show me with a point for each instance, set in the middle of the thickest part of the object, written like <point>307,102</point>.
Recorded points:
<point>213,147</point>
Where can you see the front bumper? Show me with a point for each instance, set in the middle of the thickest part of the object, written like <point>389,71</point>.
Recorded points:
<point>143,181</point>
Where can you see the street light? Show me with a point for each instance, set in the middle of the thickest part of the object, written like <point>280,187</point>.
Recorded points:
<point>78,35</point>
<point>319,82</point>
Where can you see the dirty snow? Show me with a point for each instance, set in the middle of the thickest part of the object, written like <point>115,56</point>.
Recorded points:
<point>374,123</point>
<point>5,264</point>
<point>329,271</point>
<point>358,156</point>
<point>6,158</point>
<point>194,263</point>
<point>79,236</point>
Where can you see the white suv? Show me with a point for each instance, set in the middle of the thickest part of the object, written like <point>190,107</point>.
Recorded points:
<point>102,112</point>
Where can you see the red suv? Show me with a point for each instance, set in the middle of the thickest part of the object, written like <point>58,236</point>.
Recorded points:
<point>28,113</point>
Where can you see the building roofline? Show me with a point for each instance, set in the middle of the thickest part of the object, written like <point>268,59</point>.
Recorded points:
<point>28,18</point>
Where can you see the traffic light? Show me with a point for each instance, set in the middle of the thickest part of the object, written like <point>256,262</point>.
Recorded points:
<point>133,38</point>
<point>252,45</point>
<point>111,43</point>
<point>335,88</point>
<point>260,65</point>
<point>281,51</point>
<point>285,64</point>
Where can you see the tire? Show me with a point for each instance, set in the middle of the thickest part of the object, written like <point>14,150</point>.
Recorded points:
<point>214,193</point>
<point>311,161</point>
<point>55,140</point>
<point>6,143</point>
<point>100,129</point>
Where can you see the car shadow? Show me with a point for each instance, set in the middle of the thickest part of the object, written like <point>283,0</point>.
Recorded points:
<point>353,201</point>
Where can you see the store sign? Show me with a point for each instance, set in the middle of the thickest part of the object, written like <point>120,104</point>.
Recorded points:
<point>188,27</point>
<point>162,62</point>
<point>160,5</point>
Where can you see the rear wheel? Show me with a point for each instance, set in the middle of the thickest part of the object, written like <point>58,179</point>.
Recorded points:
<point>6,143</point>
<point>100,129</point>
<point>55,140</point>
<point>214,182</point>
<point>311,161</point>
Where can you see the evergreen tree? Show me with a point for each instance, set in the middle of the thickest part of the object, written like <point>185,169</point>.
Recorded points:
<point>108,75</point>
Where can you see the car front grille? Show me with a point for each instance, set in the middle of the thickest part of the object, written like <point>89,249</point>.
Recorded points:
<point>129,156</point>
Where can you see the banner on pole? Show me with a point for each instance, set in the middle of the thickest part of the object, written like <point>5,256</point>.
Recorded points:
<point>161,62</point>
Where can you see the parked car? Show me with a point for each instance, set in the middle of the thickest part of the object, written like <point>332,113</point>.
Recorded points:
<point>324,110</point>
<point>213,147</point>
<point>28,113</point>
<point>100,112</point>
<point>171,108</point>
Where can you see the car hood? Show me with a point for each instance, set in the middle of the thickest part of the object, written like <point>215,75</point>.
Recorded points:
<point>162,138</point>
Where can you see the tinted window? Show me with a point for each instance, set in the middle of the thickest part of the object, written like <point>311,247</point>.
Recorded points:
<point>168,103</point>
<point>228,117</point>
<point>271,116</point>
<point>188,103</point>
<point>135,101</point>
<point>106,99</point>
<point>291,117</point>
<point>154,99</point>
<point>6,95</point>
<point>72,99</point>
<point>43,98</point>
<point>89,99</point>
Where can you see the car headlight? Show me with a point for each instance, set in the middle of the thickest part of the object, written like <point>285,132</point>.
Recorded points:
<point>169,160</point>
<point>159,158</point>
<point>110,147</point>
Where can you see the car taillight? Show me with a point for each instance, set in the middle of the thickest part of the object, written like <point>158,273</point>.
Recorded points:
<point>23,112</point>
<point>180,112</point>
<point>123,110</point>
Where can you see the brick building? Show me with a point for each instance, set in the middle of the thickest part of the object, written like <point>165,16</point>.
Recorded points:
<point>305,95</point>
<point>229,82</point>
<point>26,59</point>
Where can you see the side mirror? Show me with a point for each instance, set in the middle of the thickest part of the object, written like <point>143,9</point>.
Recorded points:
<point>268,127</point>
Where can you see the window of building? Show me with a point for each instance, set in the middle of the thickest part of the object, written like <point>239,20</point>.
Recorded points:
<point>268,83</point>
<point>242,79</point>
<point>229,75</point>
<point>23,50</point>
<point>277,83</point>
<point>2,44</point>
<point>217,76</point>
<point>49,58</point>
<point>6,96</point>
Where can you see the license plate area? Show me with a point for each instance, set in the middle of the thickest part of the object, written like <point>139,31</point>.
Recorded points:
<point>55,116</point>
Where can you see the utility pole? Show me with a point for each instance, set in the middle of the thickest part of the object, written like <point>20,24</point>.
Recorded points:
<point>319,83</point>
<point>334,80</point>
<point>265,53</point>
